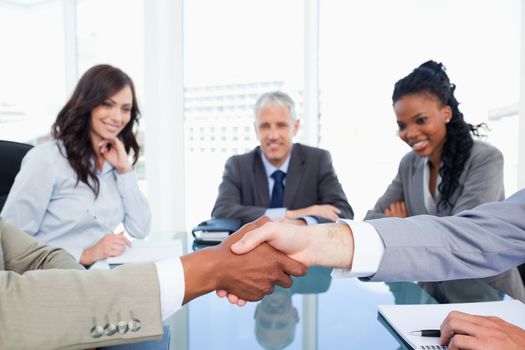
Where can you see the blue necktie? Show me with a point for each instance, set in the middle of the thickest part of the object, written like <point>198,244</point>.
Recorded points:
<point>278,189</point>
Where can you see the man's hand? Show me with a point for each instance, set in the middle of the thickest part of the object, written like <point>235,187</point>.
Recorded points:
<point>397,210</point>
<point>325,244</point>
<point>249,276</point>
<point>463,331</point>
<point>325,210</point>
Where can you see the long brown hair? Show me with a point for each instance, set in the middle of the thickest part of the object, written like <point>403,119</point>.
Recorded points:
<point>73,123</point>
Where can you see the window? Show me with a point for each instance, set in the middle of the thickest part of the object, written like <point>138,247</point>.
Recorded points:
<point>112,32</point>
<point>381,42</point>
<point>231,58</point>
<point>32,87</point>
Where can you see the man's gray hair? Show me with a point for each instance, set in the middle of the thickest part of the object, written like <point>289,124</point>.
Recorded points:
<point>275,99</point>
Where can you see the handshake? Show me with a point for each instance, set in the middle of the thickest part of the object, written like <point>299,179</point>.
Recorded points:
<point>262,254</point>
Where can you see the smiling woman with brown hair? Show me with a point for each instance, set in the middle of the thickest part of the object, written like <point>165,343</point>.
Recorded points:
<point>72,191</point>
<point>446,172</point>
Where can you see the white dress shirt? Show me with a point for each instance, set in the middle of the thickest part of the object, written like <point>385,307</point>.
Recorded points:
<point>368,245</point>
<point>274,213</point>
<point>47,202</point>
<point>172,286</point>
<point>368,250</point>
<point>430,202</point>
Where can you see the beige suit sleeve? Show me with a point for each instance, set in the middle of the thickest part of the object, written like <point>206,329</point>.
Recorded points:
<point>22,252</point>
<point>57,309</point>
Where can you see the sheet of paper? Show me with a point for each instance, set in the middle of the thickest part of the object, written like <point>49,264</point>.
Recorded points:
<point>143,251</point>
<point>100,265</point>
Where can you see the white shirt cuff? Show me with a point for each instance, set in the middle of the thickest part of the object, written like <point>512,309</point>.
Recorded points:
<point>368,250</point>
<point>172,286</point>
<point>310,220</point>
<point>274,213</point>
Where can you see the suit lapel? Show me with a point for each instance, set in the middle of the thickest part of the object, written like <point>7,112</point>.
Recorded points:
<point>294,175</point>
<point>260,181</point>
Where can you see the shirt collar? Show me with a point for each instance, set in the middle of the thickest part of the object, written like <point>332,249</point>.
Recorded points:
<point>269,168</point>
<point>106,168</point>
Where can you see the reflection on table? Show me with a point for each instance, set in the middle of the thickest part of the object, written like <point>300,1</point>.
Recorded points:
<point>275,316</point>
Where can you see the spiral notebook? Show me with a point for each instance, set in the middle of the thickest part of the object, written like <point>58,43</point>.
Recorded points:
<point>407,318</point>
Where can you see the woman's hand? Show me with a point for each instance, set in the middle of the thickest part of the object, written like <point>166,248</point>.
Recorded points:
<point>397,210</point>
<point>114,152</point>
<point>109,245</point>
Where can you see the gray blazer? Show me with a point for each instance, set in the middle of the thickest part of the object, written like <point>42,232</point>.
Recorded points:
<point>475,243</point>
<point>310,180</point>
<point>480,182</point>
<point>58,307</point>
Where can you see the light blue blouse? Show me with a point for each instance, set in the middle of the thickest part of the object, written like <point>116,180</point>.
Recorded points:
<point>46,202</point>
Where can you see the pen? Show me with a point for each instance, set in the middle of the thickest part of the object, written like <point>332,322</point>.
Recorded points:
<point>427,333</point>
<point>106,227</point>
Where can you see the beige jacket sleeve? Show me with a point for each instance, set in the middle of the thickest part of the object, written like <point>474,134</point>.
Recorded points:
<point>43,306</point>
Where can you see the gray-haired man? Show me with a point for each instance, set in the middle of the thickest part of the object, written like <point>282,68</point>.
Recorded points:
<point>285,181</point>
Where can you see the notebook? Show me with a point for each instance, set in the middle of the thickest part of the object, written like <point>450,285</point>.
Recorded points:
<point>407,318</point>
<point>215,230</point>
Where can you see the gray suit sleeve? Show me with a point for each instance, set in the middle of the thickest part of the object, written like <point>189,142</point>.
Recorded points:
<point>58,308</point>
<point>228,203</point>
<point>484,180</point>
<point>330,189</point>
<point>476,243</point>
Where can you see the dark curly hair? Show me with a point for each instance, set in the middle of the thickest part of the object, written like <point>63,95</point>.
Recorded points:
<point>430,78</point>
<point>73,123</point>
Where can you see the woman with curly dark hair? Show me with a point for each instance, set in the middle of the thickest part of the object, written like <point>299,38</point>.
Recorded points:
<point>71,192</point>
<point>446,172</point>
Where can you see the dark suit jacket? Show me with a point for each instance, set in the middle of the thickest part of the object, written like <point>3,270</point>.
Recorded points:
<point>310,180</point>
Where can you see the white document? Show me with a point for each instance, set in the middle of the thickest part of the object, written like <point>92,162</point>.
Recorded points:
<point>145,251</point>
<point>407,318</point>
<point>100,265</point>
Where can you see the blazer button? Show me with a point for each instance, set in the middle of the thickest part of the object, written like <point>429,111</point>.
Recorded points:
<point>134,325</point>
<point>96,331</point>
<point>122,327</point>
<point>110,329</point>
